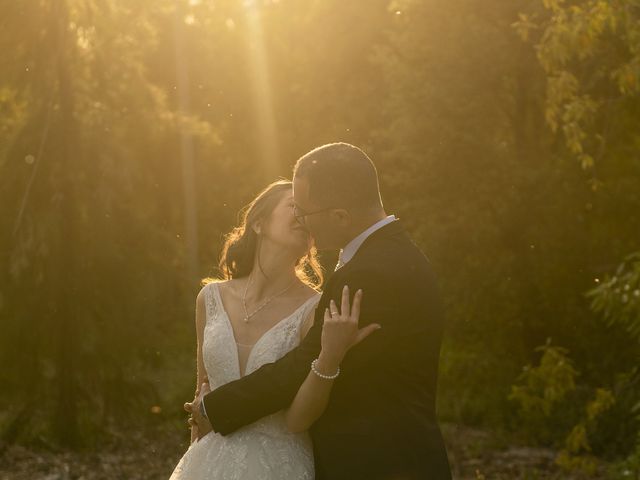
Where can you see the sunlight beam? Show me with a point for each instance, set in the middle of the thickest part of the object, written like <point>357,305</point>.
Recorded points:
<point>186,153</point>
<point>261,90</point>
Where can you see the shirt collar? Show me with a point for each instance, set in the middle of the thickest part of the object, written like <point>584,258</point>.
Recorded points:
<point>352,247</point>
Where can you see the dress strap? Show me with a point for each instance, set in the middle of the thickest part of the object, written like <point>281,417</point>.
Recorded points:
<point>211,301</point>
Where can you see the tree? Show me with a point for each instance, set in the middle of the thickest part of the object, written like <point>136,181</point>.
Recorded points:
<point>73,321</point>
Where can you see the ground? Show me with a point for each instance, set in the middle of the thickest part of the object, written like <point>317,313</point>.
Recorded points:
<point>475,455</point>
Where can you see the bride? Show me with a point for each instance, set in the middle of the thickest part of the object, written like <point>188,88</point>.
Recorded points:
<point>262,309</point>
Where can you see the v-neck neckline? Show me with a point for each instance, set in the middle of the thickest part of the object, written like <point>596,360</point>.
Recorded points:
<point>233,335</point>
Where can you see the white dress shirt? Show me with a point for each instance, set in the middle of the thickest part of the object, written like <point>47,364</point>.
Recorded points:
<point>352,247</point>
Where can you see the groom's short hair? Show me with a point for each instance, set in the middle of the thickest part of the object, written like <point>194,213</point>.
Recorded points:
<point>340,175</point>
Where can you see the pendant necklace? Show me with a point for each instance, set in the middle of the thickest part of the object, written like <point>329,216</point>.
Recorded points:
<point>247,315</point>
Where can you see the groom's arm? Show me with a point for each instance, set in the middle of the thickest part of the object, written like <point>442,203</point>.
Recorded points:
<point>265,391</point>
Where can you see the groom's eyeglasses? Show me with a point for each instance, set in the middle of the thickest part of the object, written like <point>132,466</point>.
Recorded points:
<point>301,214</point>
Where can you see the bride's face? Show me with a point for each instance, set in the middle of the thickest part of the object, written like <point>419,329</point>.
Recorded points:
<point>284,230</point>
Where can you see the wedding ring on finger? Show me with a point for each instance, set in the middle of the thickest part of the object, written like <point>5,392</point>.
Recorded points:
<point>333,309</point>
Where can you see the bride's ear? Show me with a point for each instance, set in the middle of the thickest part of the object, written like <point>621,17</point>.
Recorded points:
<point>257,228</point>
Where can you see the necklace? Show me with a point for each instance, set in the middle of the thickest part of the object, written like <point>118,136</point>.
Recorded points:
<point>247,315</point>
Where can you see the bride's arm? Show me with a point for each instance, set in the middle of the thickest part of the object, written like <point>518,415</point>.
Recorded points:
<point>339,333</point>
<point>200,370</point>
<point>310,401</point>
<point>312,397</point>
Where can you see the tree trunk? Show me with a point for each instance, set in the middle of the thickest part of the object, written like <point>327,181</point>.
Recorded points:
<point>64,274</point>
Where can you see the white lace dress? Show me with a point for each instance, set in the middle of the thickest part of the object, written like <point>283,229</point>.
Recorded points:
<point>263,450</point>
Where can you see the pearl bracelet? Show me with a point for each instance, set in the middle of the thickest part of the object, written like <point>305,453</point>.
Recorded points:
<point>322,375</point>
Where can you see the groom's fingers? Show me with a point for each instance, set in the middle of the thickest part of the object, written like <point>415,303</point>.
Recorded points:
<point>195,414</point>
<point>365,332</point>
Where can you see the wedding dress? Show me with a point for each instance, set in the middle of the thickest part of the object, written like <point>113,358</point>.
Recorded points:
<point>265,449</point>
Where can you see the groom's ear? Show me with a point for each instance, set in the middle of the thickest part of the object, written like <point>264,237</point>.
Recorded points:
<point>342,216</point>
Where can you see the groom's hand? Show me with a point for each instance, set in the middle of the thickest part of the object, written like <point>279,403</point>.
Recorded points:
<point>188,406</point>
<point>202,422</point>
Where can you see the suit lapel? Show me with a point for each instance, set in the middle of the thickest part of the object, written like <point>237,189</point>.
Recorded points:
<point>388,230</point>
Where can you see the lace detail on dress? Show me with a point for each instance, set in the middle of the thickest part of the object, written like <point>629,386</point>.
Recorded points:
<point>210,303</point>
<point>264,450</point>
<point>219,351</point>
<point>278,341</point>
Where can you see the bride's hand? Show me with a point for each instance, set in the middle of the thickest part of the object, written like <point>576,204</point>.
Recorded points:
<point>340,331</point>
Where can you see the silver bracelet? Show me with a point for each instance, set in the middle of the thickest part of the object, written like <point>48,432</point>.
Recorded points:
<point>322,375</point>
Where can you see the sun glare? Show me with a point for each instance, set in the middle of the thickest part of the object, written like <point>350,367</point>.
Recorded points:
<point>261,89</point>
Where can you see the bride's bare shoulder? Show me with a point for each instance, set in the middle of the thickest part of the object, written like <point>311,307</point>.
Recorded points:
<point>207,284</point>
<point>231,287</point>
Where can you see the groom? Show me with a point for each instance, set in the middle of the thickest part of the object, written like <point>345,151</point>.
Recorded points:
<point>381,421</point>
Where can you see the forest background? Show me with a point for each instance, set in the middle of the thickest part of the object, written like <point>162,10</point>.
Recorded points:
<point>507,139</point>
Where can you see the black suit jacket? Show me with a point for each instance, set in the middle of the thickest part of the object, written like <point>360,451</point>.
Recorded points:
<point>380,422</point>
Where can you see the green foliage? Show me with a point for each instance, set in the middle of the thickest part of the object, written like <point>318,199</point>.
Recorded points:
<point>590,52</point>
<point>542,391</point>
<point>617,300</point>
<point>575,456</point>
<point>83,168</point>
<point>617,297</point>
<point>545,385</point>
<point>629,467</point>
<point>545,394</point>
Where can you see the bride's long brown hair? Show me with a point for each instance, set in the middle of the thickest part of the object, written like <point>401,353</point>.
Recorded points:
<point>242,244</point>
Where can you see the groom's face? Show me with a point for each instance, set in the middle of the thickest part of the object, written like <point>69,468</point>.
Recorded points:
<point>316,218</point>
